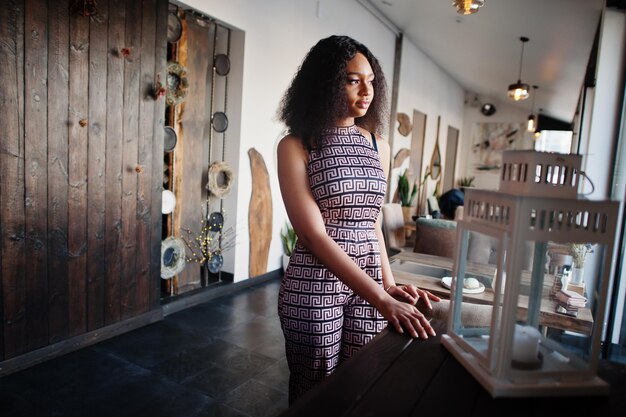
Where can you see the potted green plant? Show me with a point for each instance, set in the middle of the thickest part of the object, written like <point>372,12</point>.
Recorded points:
<point>288,236</point>
<point>407,195</point>
<point>465,182</point>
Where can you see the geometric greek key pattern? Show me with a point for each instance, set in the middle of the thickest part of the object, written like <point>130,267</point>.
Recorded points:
<point>323,321</point>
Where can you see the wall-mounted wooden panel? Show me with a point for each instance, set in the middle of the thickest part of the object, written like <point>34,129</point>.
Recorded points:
<point>80,168</point>
<point>192,127</point>
<point>113,157</point>
<point>130,126</point>
<point>96,190</point>
<point>144,158</point>
<point>35,175</point>
<point>58,87</point>
<point>78,153</point>
<point>12,217</point>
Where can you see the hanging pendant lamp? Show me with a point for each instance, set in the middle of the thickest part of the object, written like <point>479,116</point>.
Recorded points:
<point>532,119</point>
<point>467,6</point>
<point>519,90</point>
<point>537,132</point>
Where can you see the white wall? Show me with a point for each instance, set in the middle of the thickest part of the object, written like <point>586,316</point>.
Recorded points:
<point>425,87</point>
<point>278,33</point>
<point>506,112</point>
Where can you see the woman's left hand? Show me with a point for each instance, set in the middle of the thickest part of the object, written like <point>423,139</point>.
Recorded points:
<point>411,294</point>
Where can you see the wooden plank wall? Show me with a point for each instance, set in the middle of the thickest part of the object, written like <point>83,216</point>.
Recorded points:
<point>12,251</point>
<point>81,153</point>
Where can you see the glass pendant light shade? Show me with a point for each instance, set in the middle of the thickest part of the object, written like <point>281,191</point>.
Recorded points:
<point>467,6</point>
<point>519,90</point>
<point>531,123</point>
<point>532,120</point>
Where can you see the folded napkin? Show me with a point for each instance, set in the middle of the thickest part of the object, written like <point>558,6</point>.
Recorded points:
<point>571,299</point>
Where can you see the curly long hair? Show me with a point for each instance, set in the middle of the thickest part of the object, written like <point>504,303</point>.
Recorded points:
<point>316,97</point>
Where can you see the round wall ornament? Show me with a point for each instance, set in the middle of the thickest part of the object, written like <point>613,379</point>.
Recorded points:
<point>216,221</point>
<point>221,64</point>
<point>215,263</point>
<point>173,259</point>
<point>168,201</point>
<point>177,83</point>
<point>174,27</point>
<point>219,120</point>
<point>169,139</point>
<point>221,179</point>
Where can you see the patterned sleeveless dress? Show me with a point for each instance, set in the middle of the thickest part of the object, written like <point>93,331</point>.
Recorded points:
<point>323,321</point>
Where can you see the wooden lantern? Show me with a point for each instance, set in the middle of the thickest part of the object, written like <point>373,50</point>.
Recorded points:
<point>541,341</point>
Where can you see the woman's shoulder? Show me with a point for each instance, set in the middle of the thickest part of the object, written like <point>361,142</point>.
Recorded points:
<point>290,141</point>
<point>292,145</point>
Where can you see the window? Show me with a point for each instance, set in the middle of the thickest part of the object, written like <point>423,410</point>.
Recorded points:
<point>554,141</point>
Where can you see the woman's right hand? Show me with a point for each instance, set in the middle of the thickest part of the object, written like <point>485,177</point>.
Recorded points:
<point>403,316</point>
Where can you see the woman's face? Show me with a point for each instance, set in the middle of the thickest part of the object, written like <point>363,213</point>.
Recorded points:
<point>359,86</point>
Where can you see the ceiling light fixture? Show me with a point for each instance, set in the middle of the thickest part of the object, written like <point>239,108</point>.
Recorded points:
<point>532,120</point>
<point>467,6</point>
<point>488,109</point>
<point>519,90</point>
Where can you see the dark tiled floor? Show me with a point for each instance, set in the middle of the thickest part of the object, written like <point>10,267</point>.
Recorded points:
<point>222,358</point>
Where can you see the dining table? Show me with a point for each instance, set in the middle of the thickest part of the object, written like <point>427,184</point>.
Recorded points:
<point>426,272</point>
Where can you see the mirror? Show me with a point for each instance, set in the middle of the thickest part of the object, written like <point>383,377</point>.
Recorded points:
<point>435,160</point>
<point>449,163</point>
<point>417,144</point>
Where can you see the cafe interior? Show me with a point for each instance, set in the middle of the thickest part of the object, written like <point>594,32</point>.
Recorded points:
<point>144,237</point>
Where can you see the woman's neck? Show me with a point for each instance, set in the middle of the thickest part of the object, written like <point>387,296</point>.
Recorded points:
<point>349,121</point>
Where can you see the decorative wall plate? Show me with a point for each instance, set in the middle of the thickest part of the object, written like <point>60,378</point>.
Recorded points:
<point>173,259</point>
<point>216,221</point>
<point>168,202</point>
<point>219,120</point>
<point>169,139</point>
<point>215,263</point>
<point>222,64</point>
<point>174,27</point>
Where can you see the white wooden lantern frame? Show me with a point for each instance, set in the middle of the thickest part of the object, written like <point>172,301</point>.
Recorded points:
<point>515,220</point>
<point>540,174</point>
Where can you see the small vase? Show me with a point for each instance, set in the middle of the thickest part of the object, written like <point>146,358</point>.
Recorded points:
<point>407,213</point>
<point>565,281</point>
<point>577,276</point>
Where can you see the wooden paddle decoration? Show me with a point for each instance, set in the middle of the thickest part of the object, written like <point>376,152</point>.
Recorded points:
<point>259,215</point>
<point>400,157</point>
<point>405,125</point>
